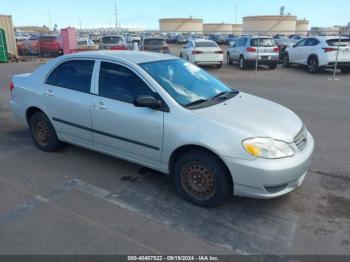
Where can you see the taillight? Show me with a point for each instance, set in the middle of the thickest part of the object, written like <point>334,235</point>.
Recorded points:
<point>276,49</point>
<point>329,49</point>
<point>251,49</point>
<point>195,52</point>
<point>12,86</point>
<point>219,52</point>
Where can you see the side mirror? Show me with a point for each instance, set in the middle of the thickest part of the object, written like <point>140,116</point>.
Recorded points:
<point>148,101</point>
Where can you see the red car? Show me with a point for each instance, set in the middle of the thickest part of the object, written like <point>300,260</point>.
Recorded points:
<point>50,45</point>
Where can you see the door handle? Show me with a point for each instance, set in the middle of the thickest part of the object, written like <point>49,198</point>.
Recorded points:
<point>100,105</point>
<point>49,93</point>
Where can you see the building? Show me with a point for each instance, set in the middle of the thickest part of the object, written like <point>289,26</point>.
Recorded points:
<point>222,28</point>
<point>181,25</point>
<point>269,24</point>
<point>7,25</point>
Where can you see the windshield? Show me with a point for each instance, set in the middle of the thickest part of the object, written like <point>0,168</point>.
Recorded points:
<point>112,40</point>
<point>263,42</point>
<point>185,82</point>
<point>154,41</point>
<point>206,44</point>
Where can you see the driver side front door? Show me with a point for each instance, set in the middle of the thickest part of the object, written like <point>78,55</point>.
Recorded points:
<point>119,127</point>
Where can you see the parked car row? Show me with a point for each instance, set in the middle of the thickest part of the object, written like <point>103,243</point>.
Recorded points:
<point>315,53</point>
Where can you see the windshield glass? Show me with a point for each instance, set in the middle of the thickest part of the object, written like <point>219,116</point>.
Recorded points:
<point>264,42</point>
<point>206,44</point>
<point>112,40</point>
<point>154,41</point>
<point>185,82</point>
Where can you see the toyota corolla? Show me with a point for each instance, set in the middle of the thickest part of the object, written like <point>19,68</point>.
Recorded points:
<point>167,114</point>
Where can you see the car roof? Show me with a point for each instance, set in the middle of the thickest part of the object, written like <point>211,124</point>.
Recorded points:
<point>136,57</point>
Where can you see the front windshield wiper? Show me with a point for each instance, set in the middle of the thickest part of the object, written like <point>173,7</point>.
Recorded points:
<point>197,102</point>
<point>224,94</point>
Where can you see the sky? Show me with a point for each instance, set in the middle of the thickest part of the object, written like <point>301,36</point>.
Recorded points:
<point>146,13</point>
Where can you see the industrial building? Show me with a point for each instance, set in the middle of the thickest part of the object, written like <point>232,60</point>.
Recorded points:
<point>222,27</point>
<point>277,24</point>
<point>7,25</point>
<point>181,25</point>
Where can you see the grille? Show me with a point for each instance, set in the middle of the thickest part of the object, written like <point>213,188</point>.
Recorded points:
<point>301,139</point>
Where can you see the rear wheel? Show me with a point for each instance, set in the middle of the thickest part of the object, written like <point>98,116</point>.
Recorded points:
<point>218,66</point>
<point>312,65</point>
<point>43,133</point>
<point>242,63</point>
<point>345,70</point>
<point>202,179</point>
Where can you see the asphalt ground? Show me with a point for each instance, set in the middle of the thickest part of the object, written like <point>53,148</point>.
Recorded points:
<point>80,202</point>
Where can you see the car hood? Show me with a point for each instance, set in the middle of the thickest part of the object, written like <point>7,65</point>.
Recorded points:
<point>255,117</point>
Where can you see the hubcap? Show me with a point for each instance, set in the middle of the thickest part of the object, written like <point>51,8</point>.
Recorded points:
<point>41,132</point>
<point>198,181</point>
<point>241,63</point>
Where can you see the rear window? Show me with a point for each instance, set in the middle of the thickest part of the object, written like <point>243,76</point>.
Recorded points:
<point>263,42</point>
<point>48,38</point>
<point>206,44</point>
<point>154,42</point>
<point>112,40</point>
<point>335,42</point>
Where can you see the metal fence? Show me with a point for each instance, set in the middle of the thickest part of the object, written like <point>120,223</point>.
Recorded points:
<point>33,48</point>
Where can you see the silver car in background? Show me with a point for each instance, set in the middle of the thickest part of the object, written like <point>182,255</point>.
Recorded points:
<point>246,50</point>
<point>167,114</point>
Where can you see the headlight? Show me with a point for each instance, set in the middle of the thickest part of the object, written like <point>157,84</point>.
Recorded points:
<point>268,148</point>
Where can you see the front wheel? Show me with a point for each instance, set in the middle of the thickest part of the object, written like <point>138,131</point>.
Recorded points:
<point>202,179</point>
<point>285,61</point>
<point>43,133</point>
<point>229,59</point>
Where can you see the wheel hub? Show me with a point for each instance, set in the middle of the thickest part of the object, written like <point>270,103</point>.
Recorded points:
<point>41,132</point>
<point>198,181</point>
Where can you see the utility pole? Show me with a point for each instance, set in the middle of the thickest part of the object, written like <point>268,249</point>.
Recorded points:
<point>236,13</point>
<point>116,15</point>
<point>49,16</point>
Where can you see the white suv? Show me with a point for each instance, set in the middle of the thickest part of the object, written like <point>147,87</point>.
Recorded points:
<point>319,52</point>
<point>247,49</point>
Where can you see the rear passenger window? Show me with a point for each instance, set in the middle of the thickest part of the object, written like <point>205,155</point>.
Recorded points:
<point>75,75</point>
<point>120,83</point>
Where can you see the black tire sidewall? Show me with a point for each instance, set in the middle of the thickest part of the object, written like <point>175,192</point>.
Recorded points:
<point>53,143</point>
<point>222,180</point>
<point>313,69</point>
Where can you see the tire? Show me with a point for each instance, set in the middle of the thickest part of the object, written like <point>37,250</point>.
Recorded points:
<point>242,63</point>
<point>43,133</point>
<point>285,61</point>
<point>180,55</point>
<point>218,66</point>
<point>202,179</point>
<point>345,70</point>
<point>273,66</point>
<point>312,65</point>
<point>229,59</point>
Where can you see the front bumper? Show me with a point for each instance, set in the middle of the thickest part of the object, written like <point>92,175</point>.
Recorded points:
<point>270,178</point>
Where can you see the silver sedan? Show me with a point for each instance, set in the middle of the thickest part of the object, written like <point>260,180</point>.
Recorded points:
<point>167,114</point>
